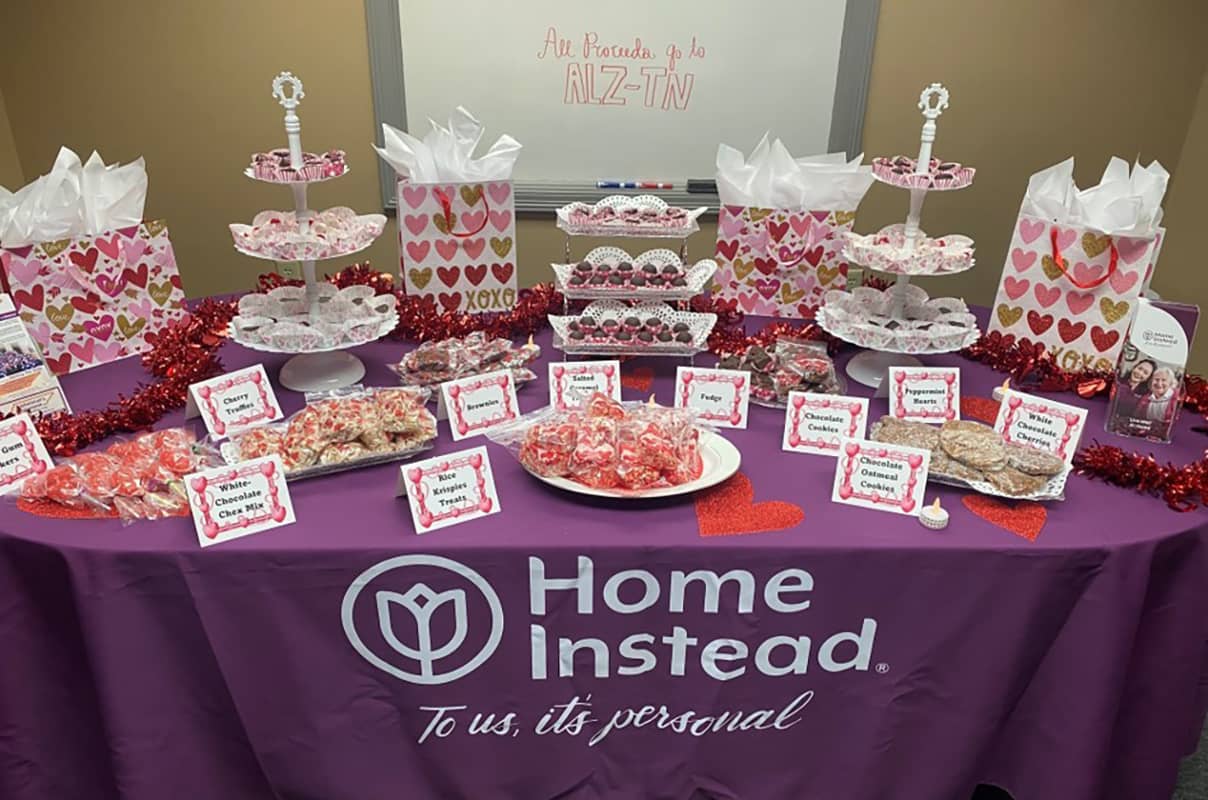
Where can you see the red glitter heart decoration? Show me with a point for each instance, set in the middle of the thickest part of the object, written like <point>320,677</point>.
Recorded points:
<point>983,409</point>
<point>727,510</point>
<point>1024,518</point>
<point>642,378</point>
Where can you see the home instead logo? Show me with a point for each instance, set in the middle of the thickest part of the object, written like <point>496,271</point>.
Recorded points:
<point>431,620</point>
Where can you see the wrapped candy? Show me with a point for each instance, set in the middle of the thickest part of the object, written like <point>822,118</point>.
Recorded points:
<point>788,365</point>
<point>434,363</point>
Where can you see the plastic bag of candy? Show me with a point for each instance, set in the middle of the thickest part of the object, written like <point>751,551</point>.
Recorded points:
<point>342,429</point>
<point>787,365</point>
<point>134,479</point>
<point>606,444</point>
<point>433,363</point>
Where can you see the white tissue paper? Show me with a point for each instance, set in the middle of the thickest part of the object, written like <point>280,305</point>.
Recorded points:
<point>447,154</point>
<point>1125,202</point>
<point>771,178</point>
<point>73,200</point>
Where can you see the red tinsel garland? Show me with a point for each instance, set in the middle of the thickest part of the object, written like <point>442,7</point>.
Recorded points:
<point>1183,488</point>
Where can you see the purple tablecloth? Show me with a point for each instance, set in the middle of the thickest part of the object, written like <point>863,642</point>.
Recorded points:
<point>136,665</point>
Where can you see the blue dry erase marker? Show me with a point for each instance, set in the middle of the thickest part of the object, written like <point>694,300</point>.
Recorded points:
<point>616,184</point>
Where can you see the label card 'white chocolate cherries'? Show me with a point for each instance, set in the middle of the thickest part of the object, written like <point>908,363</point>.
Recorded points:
<point>230,502</point>
<point>817,423</point>
<point>449,489</point>
<point>479,403</point>
<point>1037,422</point>
<point>234,402</point>
<point>925,394</point>
<point>22,453</point>
<point>885,477</point>
<point>720,396</point>
<point>570,384</point>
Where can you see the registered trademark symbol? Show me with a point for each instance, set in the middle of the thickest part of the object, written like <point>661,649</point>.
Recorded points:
<point>881,668</point>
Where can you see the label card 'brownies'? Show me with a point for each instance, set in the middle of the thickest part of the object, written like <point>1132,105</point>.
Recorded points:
<point>1041,423</point>
<point>448,489</point>
<point>570,384</point>
<point>480,402</point>
<point>817,423</point>
<point>925,394</point>
<point>247,498</point>
<point>234,402</point>
<point>884,477</point>
<point>22,454</point>
<point>721,396</point>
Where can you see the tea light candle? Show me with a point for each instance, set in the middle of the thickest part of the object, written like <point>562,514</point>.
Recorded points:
<point>999,391</point>
<point>934,517</point>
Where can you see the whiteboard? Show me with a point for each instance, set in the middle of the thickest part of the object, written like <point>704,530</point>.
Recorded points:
<point>627,89</point>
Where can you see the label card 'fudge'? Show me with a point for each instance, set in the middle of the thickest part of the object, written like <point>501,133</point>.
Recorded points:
<point>1041,423</point>
<point>234,402</point>
<point>884,477</point>
<point>448,489</point>
<point>480,402</point>
<point>925,394</point>
<point>234,501</point>
<point>721,396</point>
<point>570,384</point>
<point>817,423</point>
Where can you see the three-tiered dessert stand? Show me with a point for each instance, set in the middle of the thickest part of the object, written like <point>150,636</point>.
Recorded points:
<point>901,322</point>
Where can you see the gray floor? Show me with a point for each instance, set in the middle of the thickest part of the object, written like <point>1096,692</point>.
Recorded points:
<point>1193,775</point>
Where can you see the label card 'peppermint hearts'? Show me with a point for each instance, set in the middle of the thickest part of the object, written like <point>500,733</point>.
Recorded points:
<point>234,402</point>
<point>22,454</point>
<point>925,394</point>
<point>884,477</point>
<point>721,396</point>
<point>571,383</point>
<point>448,489</point>
<point>1041,423</point>
<point>817,423</point>
<point>233,501</point>
<point>479,403</point>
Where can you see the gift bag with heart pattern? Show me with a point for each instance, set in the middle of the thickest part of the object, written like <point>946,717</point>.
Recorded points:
<point>457,244</point>
<point>778,262</point>
<point>1071,289</point>
<point>96,299</point>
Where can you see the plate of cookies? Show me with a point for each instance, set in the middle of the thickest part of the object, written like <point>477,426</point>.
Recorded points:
<point>975,456</point>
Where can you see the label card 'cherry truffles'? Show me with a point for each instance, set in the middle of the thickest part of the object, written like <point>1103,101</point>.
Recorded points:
<point>449,489</point>
<point>925,394</point>
<point>480,402</point>
<point>721,396</point>
<point>22,454</point>
<point>884,477</point>
<point>1041,423</point>
<point>230,502</point>
<point>234,402</point>
<point>570,384</point>
<point>818,423</point>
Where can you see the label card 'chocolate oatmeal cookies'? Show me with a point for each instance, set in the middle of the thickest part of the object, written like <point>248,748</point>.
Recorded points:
<point>880,476</point>
<point>925,394</point>
<point>1040,423</point>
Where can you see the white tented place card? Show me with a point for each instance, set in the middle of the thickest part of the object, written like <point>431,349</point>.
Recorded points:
<point>22,453</point>
<point>1041,423</point>
<point>818,423</point>
<point>570,383</point>
<point>479,403</point>
<point>233,501</point>
<point>884,477</point>
<point>925,394</point>
<point>449,489</point>
<point>720,396</point>
<point>234,402</point>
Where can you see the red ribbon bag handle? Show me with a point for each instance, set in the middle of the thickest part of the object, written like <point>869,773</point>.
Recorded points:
<point>776,250</point>
<point>1060,261</point>
<point>446,204</point>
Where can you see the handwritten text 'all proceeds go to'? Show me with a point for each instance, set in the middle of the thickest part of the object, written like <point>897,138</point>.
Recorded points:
<point>449,489</point>
<point>720,396</point>
<point>818,423</point>
<point>571,383</point>
<point>234,501</point>
<point>621,73</point>
<point>925,394</point>
<point>1041,423</point>
<point>881,476</point>
<point>480,402</point>
<point>234,402</point>
<point>22,453</point>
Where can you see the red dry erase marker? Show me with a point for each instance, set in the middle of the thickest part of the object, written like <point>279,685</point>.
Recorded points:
<point>654,185</point>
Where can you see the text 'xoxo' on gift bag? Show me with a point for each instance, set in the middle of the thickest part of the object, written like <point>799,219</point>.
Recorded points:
<point>96,299</point>
<point>1072,289</point>
<point>457,244</point>
<point>778,262</point>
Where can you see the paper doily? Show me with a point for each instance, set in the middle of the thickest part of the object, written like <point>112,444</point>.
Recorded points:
<point>697,275</point>
<point>885,251</point>
<point>699,326</point>
<point>862,317</point>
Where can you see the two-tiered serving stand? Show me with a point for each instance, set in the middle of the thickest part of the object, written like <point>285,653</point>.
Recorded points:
<point>902,321</point>
<point>316,365</point>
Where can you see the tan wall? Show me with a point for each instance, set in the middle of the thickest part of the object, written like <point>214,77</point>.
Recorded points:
<point>1032,81</point>
<point>11,174</point>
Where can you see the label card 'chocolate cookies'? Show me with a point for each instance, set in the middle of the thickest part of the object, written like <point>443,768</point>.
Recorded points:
<point>1040,423</point>
<point>925,394</point>
<point>884,477</point>
<point>817,423</point>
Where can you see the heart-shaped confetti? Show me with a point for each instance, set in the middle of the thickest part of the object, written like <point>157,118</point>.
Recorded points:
<point>641,379</point>
<point>728,509</point>
<point>1023,518</point>
<point>983,409</point>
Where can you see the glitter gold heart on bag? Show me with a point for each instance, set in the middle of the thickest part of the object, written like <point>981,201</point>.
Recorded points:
<point>60,316</point>
<point>155,227</point>
<point>788,296</point>
<point>1051,270</point>
<point>743,267</point>
<point>471,194</point>
<point>444,224</point>
<point>130,328</point>
<point>501,246</point>
<point>827,274</point>
<point>1094,245</point>
<point>420,277</point>
<point>1112,312</point>
<point>759,213</point>
<point>1007,315</point>
<point>160,292</point>
<point>52,249</point>
<point>844,217</point>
